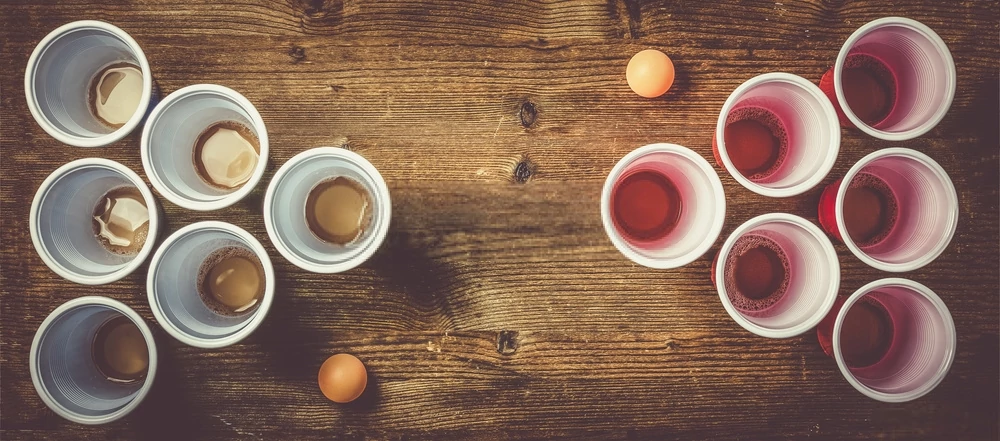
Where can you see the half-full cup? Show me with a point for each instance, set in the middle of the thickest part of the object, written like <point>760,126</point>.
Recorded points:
<point>921,74</point>
<point>285,209</point>
<point>702,205</point>
<point>65,373</point>
<point>808,133</point>
<point>810,266</point>
<point>926,209</point>
<point>171,134</point>
<point>58,79</point>
<point>921,346</point>
<point>62,221</point>
<point>173,291</point>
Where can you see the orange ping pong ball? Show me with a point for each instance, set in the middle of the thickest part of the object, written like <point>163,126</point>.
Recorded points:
<point>650,73</point>
<point>342,378</point>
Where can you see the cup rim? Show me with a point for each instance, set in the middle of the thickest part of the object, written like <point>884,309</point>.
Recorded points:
<point>258,315</point>
<point>120,307</point>
<point>825,244</point>
<point>230,198</point>
<point>828,111</point>
<point>952,196</point>
<point>920,289</point>
<point>934,38</point>
<point>714,230</point>
<point>376,240</point>
<point>80,141</point>
<point>128,268</point>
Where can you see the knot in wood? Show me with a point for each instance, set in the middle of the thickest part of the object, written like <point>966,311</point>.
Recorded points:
<point>528,114</point>
<point>507,342</point>
<point>298,53</point>
<point>523,171</point>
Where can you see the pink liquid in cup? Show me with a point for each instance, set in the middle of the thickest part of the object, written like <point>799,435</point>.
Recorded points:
<point>896,209</point>
<point>663,206</point>
<point>894,79</point>
<point>777,275</point>
<point>777,135</point>
<point>893,339</point>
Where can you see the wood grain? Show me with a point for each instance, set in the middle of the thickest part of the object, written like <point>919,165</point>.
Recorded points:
<point>498,309</point>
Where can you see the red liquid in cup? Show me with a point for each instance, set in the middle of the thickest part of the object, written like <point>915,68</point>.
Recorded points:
<point>869,89</point>
<point>756,274</point>
<point>865,336</point>
<point>870,210</point>
<point>756,142</point>
<point>645,206</point>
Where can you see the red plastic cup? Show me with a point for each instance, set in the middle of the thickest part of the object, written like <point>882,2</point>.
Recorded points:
<point>916,70</point>
<point>699,205</point>
<point>894,339</point>
<point>799,117</point>
<point>925,204</point>
<point>810,285</point>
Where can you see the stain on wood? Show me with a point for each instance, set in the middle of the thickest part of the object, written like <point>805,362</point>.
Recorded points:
<point>497,310</point>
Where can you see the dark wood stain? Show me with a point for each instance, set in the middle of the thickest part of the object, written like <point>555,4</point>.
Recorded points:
<point>434,94</point>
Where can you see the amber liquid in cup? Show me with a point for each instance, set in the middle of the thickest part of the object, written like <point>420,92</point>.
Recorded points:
<point>120,351</point>
<point>338,210</point>
<point>231,281</point>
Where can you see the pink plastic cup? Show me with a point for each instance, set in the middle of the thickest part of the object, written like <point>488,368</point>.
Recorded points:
<point>808,126</point>
<point>702,206</point>
<point>926,209</point>
<point>920,66</point>
<point>919,332</point>
<point>812,276</point>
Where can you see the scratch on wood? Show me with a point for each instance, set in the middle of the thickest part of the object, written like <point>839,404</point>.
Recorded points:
<point>235,429</point>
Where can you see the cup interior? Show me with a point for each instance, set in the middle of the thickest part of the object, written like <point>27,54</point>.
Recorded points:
<point>813,277</point>
<point>174,131</point>
<point>923,69</point>
<point>66,368</point>
<point>63,73</point>
<point>174,281</point>
<point>288,214</point>
<point>65,217</point>
<point>700,204</point>
<point>922,347</point>
<point>809,123</point>
<point>927,209</point>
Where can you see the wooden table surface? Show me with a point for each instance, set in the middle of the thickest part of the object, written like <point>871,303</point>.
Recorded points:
<point>498,308</point>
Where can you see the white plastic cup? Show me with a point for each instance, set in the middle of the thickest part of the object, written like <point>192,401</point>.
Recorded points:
<point>923,69</point>
<point>813,276</point>
<point>62,216</point>
<point>170,135</point>
<point>59,74</point>
<point>63,369</point>
<point>172,285</point>
<point>702,198</point>
<point>927,209</point>
<point>285,212</point>
<point>810,124</point>
<point>922,348</point>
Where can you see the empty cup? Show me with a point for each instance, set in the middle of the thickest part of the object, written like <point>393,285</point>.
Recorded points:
<point>896,209</point>
<point>663,206</point>
<point>62,221</point>
<point>62,71</point>
<point>894,339</point>
<point>777,135</point>
<point>894,79</point>
<point>285,208</point>
<point>175,128</point>
<point>176,282</point>
<point>65,370</point>
<point>777,275</point>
